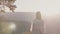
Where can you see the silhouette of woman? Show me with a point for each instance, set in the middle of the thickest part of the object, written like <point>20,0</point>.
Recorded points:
<point>38,24</point>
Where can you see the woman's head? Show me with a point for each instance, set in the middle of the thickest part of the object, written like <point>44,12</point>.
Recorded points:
<point>38,15</point>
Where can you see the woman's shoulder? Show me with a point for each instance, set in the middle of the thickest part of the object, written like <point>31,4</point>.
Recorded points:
<point>37,20</point>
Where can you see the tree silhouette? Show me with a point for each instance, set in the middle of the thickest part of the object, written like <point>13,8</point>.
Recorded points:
<point>3,4</point>
<point>7,3</point>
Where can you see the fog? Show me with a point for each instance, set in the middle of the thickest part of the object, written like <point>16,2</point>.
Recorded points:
<point>53,24</point>
<point>22,21</point>
<point>20,16</point>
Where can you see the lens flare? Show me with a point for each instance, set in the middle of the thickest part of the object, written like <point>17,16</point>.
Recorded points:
<point>12,26</point>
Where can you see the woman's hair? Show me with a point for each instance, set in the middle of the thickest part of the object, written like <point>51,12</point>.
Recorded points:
<point>38,15</point>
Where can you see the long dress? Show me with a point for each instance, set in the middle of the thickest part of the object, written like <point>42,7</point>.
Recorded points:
<point>38,27</point>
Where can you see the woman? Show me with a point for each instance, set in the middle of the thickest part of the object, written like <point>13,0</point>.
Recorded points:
<point>38,25</point>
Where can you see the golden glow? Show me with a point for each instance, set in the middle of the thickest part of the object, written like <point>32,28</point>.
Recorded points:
<point>12,26</point>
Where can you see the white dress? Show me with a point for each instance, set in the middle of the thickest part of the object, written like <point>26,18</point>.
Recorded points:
<point>38,27</point>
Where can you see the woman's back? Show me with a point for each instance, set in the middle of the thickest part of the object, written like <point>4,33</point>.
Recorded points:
<point>38,26</point>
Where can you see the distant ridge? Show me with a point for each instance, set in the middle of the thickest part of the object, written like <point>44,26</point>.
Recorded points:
<point>19,16</point>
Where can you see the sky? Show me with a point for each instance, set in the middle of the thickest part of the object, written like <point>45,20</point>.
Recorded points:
<point>27,5</point>
<point>46,7</point>
<point>50,7</point>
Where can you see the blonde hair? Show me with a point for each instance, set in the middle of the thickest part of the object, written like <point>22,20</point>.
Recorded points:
<point>38,15</point>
